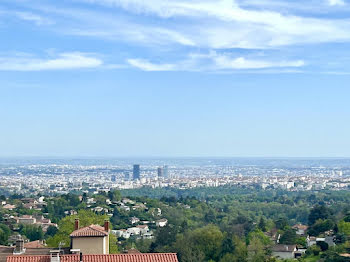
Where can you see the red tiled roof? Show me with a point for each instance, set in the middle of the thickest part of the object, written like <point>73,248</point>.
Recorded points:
<point>146,257</point>
<point>90,231</point>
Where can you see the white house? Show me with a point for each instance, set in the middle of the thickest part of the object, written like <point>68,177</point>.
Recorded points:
<point>162,222</point>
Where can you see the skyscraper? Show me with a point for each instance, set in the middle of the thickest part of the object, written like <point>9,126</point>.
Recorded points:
<point>165,171</point>
<point>136,172</point>
<point>160,172</point>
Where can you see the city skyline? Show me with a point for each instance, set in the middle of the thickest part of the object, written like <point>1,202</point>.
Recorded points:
<point>196,78</point>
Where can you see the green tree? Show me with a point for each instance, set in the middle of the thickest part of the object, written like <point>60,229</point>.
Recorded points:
<point>66,226</point>
<point>262,224</point>
<point>113,247</point>
<point>114,195</point>
<point>319,212</point>
<point>5,232</point>
<point>288,237</point>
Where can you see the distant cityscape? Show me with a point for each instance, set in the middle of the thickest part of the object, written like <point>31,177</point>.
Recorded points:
<point>60,176</point>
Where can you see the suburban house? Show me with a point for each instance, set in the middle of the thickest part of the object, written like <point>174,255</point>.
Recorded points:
<point>162,222</point>
<point>284,251</point>
<point>300,229</point>
<point>92,239</point>
<point>26,219</point>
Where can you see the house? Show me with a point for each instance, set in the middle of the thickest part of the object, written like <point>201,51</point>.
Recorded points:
<point>134,231</point>
<point>26,219</point>
<point>284,251</point>
<point>162,222</point>
<point>143,229</point>
<point>121,233</point>
<point>9,207</point>
<point>132,257</point>
<point>125,208</point>
<point>310,241</point>
<point>148,235</point>
<point>26,249</point>
<point>300,229</point>
<point>134,220</point>
<point>92,239</point>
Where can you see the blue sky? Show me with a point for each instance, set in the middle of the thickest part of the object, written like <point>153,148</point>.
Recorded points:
<point>175,78</point>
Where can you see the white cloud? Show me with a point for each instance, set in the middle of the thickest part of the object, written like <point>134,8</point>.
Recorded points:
<point>224,24</point>
<point>226,62</point>
<point>336,2</point>
<point>148,66</point>
<point>214,62</point>
<point>37,19</point>
<point>63,61</point>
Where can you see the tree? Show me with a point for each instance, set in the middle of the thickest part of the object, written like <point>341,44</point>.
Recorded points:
<point>66,226</point>
<point>113,248</point>
<point>227,246</point>
<point>289,237</point>
<point>5,232</point>
<point>281,223</point>
<point>114,195</point>
<point>344,227</point>
<point>32,232</point>
<point>262,224</point>
<point>321,226</point>
<point>51,231</point>
<point>228,258</point>
<point>319,212</point>
<point>256,250</point>
<point>241,251</point>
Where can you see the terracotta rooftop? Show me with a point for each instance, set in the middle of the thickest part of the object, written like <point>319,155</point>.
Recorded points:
<point>146,257</point>
<point>90,231</point>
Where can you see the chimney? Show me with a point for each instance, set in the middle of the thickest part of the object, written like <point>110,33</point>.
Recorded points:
<point>76,224</point>
<point>55,256</point>
<point>19,249</point>
<point>81,257</point>
<point>107,225</point>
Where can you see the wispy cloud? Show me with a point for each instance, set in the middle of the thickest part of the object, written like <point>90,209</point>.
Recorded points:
<point>62,61</point>
<point>37,19</point>
<point>225,24</point>
<point>213,62</point>
<point>336,2</point>
<point>149,66</point>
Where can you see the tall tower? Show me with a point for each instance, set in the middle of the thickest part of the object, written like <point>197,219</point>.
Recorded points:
<point>160,172</point>
<point>136,172</point>
<point>165,172</point>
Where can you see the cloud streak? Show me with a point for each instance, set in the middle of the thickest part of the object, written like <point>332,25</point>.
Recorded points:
<point>63,61</point>
<point>214,62</point>
<point>336,2</point>
<point>225,24</point>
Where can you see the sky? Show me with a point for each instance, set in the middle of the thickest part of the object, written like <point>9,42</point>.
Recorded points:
<point>181,78</point>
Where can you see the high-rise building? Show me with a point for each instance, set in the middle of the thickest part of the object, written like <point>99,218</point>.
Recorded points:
<point>136,172</point>
<point>113,178</point>
<point>165,172</point>
<point>160,172</point>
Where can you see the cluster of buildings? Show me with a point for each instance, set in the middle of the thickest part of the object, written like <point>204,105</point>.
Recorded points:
<point>63,178</point>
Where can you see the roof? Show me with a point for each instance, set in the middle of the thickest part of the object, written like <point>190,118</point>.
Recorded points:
<point>284,248</point>
<point>90,231</point>
<point>34,244</point>
<point>6,251</point>
<point>146,257</point>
